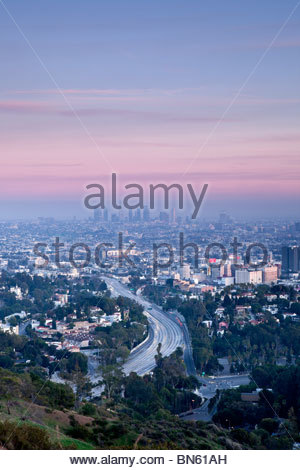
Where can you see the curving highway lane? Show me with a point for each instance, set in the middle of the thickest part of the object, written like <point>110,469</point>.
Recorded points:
<point>168,329</point>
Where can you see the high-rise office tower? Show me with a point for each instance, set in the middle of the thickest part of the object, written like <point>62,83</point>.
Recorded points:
<point>173,217</point>
<point>227,270</point>
<point>185,272</point>
<point>290,259</point>
<point>146,214</point>
<point>270,274</point>
<point>138,215</point>
<point>97,215</point>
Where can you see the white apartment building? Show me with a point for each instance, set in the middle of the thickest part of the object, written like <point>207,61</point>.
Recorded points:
<point>245,276</point>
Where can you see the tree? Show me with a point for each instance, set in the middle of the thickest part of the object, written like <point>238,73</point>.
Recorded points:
<point>112,378</point>
<point>227,301</point>
<point>82,385</point>
<point>269,424</point>
<point>77,361</point>
<point>13,321</point>
<point>295,308</point>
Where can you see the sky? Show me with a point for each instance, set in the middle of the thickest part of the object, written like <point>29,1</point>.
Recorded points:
<point>171,92</point>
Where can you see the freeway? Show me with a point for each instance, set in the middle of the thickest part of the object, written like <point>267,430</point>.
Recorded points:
<point>171,331</point>
<point>168,329</point>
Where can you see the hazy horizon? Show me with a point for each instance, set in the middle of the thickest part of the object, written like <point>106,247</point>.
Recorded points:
<point>171,93</point>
